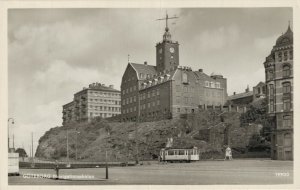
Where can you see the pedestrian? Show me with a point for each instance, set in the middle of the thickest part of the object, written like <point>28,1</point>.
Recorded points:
<point>228,153</point>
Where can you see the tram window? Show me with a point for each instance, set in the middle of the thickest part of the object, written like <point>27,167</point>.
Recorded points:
<point>181,152</point>
<point>170,152</point>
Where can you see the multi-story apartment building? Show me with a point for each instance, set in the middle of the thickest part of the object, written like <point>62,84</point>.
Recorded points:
<point>167,90</point>
<point>97,100</point>
<point>279,82</point>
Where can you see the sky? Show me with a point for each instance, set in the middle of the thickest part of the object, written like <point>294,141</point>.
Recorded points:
<point>54,53</point>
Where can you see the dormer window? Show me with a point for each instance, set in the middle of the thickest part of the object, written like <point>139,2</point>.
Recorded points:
<point>279,56</point>
<point>141,75</point>
<point>184,78</point>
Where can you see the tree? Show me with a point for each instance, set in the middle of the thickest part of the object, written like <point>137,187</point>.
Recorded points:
<point>22,152</point>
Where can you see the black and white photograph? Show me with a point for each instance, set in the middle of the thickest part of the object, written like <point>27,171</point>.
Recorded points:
<point>166,95</point>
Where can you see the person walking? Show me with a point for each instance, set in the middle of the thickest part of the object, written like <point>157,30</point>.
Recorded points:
<point>228,153</point>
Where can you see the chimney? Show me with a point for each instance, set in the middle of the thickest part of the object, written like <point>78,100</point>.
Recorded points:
<point>145,62</point>
<point>234,93</point>
<point>247,89</point>
<point>111,86</point>
<point>200,70</point>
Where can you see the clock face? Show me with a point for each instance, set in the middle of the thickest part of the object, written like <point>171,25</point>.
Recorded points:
<point>160,50</point>
<point>172,50</point>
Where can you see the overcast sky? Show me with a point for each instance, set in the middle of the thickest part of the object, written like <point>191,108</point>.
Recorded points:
<point>54,53</point>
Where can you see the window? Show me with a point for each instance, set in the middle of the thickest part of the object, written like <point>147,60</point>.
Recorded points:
<point>286,87</point>
<point>218,85</point>
<point>212,84</point>
<point>279,56</point>
<point>141,75</point>
<point>158,102</point>
<point>291,54</point>
<point>271,105</point>
<point>123,92</point>
<point>286,71</point>
<point>186,100</point>
<point>184,78</point>
<point>185,89</point>
<point>149,95</point>
<point>271,90</point>
<point>149,105</point>
<point>285,55</point>
<point>157,92</point>
<point>270,74</point>
<point>206,84</point>
<point>134,88</point>
<point>287,121</point>
<point>134,98</point>
<point>153,92</point>
<point>286,104</point>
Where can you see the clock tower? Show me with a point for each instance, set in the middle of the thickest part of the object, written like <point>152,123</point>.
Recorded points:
<point>167,51</point>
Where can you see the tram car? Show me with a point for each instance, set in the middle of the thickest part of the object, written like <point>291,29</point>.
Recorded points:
<point>179,155</point>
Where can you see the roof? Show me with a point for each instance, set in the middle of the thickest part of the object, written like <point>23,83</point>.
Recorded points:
<point>240,95</point>
<point>99,88</point>
<point>260,84</point>
<point>143,68</point>
<point>286,38</point>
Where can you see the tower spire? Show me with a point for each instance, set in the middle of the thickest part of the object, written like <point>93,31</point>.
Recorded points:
<point>167,35</point>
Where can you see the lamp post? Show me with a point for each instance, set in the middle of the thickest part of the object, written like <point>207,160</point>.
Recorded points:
<point>77,132</point>
<point>12,122</point>
<point>106,165</point>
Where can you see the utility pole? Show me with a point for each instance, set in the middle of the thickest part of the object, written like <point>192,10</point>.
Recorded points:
<point>13,141</point>
<point>12,122</point>
<point>32,144</point>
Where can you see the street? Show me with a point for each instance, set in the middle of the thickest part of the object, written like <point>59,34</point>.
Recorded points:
<point>242,172</point>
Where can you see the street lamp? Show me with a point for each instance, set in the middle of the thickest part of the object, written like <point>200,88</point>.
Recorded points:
<point>106,165</point>
<point>77,132</point>
<point>12,122</point>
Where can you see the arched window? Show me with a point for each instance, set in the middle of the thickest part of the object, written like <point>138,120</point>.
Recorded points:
<point>286,87</point>
<point>184,78</point>
<point>286,71</point>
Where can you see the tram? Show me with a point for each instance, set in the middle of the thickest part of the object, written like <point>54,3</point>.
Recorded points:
<point>179,155</point>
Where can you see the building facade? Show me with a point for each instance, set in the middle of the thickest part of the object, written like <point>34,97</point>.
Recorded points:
<point>279,83</point>
<point>167,90</point>
<point>97,100</point>
<point>259,91</point>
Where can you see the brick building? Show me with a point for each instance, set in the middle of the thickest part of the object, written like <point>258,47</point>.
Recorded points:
<point>279,82</point>
<point>167,90</point>
<point>96,100</point>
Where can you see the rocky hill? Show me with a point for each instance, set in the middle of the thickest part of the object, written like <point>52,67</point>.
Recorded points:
<point>125,141</point>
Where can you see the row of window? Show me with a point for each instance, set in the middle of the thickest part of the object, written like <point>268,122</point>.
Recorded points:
<point>213,94</point>
<point>149,94</point>
<point>286,105</point>
<point>129,79</point>
<point>212,84</point>
<point>129,100</point>
<point>106,101</point>
<point>286,88</point>
<point>185,89</point>
<point>104,108</point>
<point>150,104</point>
<point>286,72</point>
<point>104,94</point>
<point>155,81</point>
<point>104,115</point>
<point>285,55</point>
<point>129,110</point>
<point>129,90</point>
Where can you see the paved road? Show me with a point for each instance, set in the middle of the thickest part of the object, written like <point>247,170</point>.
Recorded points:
<point>199,173</point>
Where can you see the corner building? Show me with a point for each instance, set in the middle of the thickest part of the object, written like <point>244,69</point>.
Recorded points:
<point>279,83</point>
<point>167,90</point>
<point>97,100</point>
